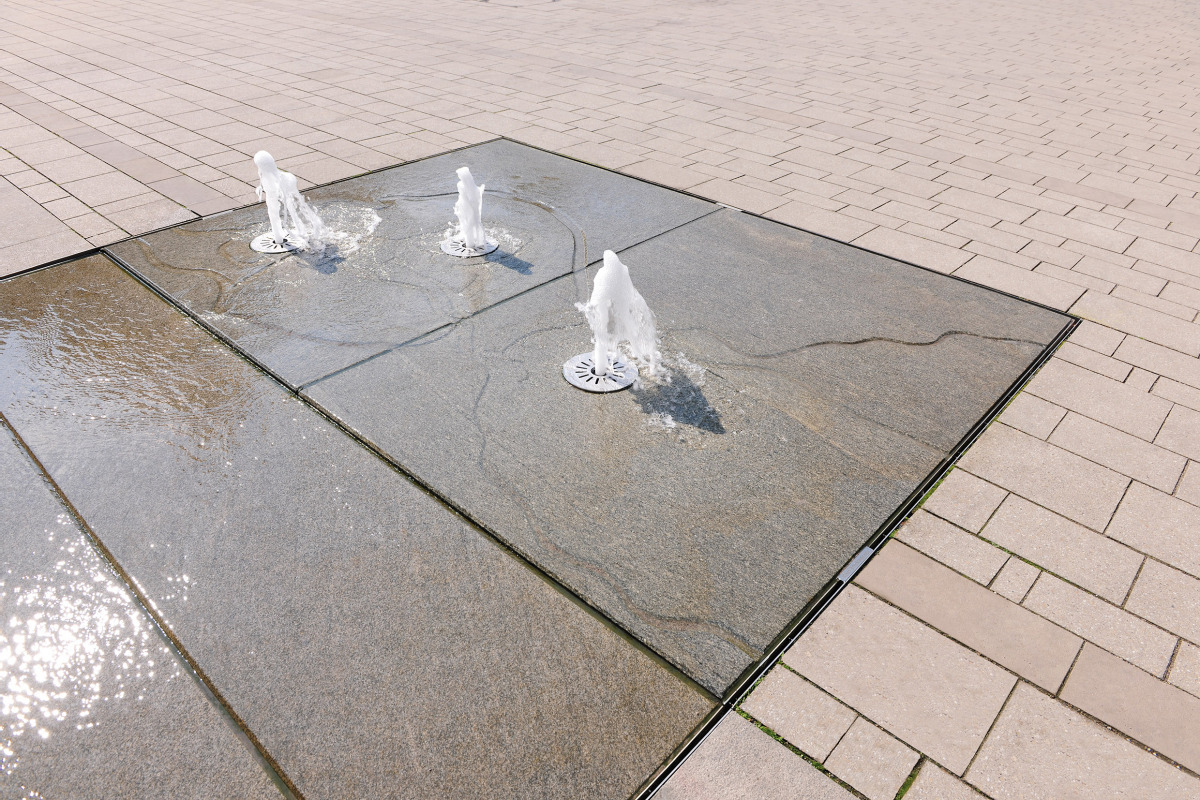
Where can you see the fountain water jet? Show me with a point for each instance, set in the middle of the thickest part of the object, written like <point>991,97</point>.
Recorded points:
<point>616,313</point>
<point>469,240</point>
<point>285,205</point>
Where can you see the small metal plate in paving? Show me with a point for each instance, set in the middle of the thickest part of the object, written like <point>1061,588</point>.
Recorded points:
<point>580,372</point>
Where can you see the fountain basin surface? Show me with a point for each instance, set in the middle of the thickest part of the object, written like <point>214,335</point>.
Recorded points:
<point>304,315</point>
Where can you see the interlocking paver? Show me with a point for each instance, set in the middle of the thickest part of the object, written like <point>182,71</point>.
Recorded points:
<point>998,628</point>
<point>1169,598</point>
<point>1108,401</point>
<point>1181,433</point>
<point>1160,525</point>
<point>1185,672</point>
<point>1033,415</point>
<point>952,546</point>
<point>1129,455</point>
<point>872,761</point>
<point>1015,579</point>
<point>965,500</point>
<point>801,713</point>
<point>934,783</point>
<point>1155,713</point>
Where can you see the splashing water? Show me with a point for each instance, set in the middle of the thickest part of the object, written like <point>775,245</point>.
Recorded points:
<point>286,207</point>
<point>469,210</point>
<point>618,314</point>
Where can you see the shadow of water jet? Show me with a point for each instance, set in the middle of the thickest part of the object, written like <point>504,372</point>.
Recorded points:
<point>513,262</point>
<point>682,401</point>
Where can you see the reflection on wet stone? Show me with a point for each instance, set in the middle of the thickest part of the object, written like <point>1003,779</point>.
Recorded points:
<point>374,643</point>
<point>93,702</point>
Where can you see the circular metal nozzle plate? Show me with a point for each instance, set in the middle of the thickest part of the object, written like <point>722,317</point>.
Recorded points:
<point>457,247</point>
<point>578,372</point>
<point>267,244</point>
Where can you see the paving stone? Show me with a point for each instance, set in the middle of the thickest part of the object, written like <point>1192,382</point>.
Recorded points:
<point>1160,525</point>
<point>999,629</point>
<point>1160,360</point>
<point>807,717</point>
<point>930,692</point>
<point>1129,455</point>
<point>1033,415</point>
<point>1089,359</point>
<point>1155,713</point>
<point>1111,402</point>
<point>1189,485</point>
<point>1048,475</point>
<point>1169,598</point>
<point>1097,337</point>
<point>1142,322</point>
<point>926,253</point>
<point>96,702</point>
<point>965,500</point>
<point>774,397</point>
<point>952,546</point>
<point>1055,543</point>
<point>1181,433</point>
<point>1021,282</point>
<point>322,586</point>
<point>1185,672</point>
<point>934,783</point>
<point>305,316</point>
<point>1015,579</point>
<point>1040,748</point>
<point>871,761</point>
<point>1115,630</point>
<point>740,762</point>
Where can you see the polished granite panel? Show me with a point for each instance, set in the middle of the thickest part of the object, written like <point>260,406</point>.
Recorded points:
<point>814,386</point>
<point>376,644</point>
<point>93,700</point>
<point>304,316</point>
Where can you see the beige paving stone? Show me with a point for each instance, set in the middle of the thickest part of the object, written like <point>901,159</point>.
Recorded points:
<point>1041,749</point>
<point>820,221</point>
<point>739,762</point>
<point>922,252</point>
<point>1142,322</point>
<point>1169,598</point>
<point>1161,360</point>
<point>1129,455</point>
<point>1153,712</point>
<point>1089,359</point>
<point>965,500</point>
<point>1097,337</point>
<point>1108,401</point>
<point>1181,433</point>
<point>1020,282</point>
<point>738,195</point>
<point>807,717</point>
<point>1053,542</point>
<point>1160,525</point>
<point>1189,485</point>
<point>934,783</point>
<point>1185,672</point>
<point>872,761</point>
<point>952,546</point>
<point>1050,476</point>
<point>1117,631</point>
<point>982,620</point>
<point>930,692</point>
<point>1015,579</point>
<point>1033,415</point>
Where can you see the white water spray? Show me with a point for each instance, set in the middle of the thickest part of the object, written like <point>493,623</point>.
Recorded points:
<point>469,238</point>
<point>294,225</point>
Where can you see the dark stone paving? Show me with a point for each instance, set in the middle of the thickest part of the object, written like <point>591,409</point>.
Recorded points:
<point>703,515</point>
<point>304,317</point>
<point>95,703</point>
<point>375,644</point>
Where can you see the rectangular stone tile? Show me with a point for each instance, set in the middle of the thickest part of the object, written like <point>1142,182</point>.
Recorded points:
<point>926,253</point>
<point>322,586</point>
<point>952,546</point>
<point>807,717</point>
<point>871,761</point>
<point>1040,748</point>
<point>305,315</point>
<point>1021,282</point>
<point>1140,321</point>
<point>1115,630</point>
<point>1033,415</point>
<point>1181,433</point>
<point>782,427</point>
<point>1111,402</point>
<point>101,189</point>
<point>820,221</point>
<point>1160,360</point>
<point>1055,543</point>
<point>999,629</point>
<point>1090,359</point>
<point>1015,579</point>
<point>934,783</point>
<point>1129,455</point>
<point>1097,337</point>
<point>739,762</point>
<point>965,500</point>
<point>96,701</point>
<point>1185,672</point>
<point>929,691</point>
<point>1048,475</point>
<point>1169,598</point>
<point>1160,525</point>
<point>1151,711</point>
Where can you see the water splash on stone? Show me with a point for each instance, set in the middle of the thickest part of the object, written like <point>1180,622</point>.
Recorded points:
<point>620,318</point>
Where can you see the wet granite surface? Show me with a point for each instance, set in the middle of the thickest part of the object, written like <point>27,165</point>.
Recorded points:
<point>374,643</point>
<point>304,316</point>
<point>814,386</point>
<point>95,703</point>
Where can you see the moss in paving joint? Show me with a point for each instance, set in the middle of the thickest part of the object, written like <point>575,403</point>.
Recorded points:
<point>812,761</point>
<point>912,776</point>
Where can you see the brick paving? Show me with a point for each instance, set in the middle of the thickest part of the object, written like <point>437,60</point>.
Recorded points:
<point>1035,629</point>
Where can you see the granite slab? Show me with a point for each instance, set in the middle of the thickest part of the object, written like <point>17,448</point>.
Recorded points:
<point>374,642</point>
<point>304,316</point>
<point>813,387</point>
<point>95,702</point>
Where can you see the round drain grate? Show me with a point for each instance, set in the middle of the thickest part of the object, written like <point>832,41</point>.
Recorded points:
<point>457,247</point>
<point>578,372</point>
<point>267,244</point>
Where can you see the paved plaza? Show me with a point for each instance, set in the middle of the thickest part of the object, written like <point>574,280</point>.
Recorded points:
<point>437,627</point>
